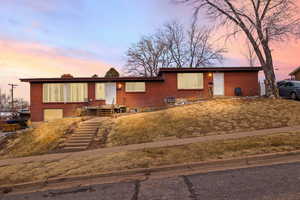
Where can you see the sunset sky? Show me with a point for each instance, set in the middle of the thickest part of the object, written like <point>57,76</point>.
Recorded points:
<point>47,38</point>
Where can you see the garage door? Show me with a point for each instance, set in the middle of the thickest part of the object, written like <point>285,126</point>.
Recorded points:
<point>52,114</point>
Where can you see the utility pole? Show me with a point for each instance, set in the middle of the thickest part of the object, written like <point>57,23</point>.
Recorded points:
<point>0,100</point>
<point>13,86</point>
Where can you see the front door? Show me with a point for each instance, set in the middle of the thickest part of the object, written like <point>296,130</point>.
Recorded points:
<point>110,93</point>
<point>218,84</point>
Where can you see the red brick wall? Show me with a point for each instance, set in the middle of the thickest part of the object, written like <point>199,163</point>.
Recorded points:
<point>36,97</point>
<point>247,81</point>
<point>156,92</point>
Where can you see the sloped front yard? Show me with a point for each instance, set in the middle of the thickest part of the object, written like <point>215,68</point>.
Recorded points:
<point>204,151</point>
<point>219,116</point>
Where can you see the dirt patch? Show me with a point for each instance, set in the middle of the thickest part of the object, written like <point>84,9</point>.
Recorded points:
<point>219,116</point>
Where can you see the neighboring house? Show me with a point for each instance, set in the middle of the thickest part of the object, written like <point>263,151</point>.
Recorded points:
<point>62,96</point>
<point>295,74</point>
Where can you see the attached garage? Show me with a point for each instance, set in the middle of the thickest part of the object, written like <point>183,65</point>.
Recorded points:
<point>52,114</point>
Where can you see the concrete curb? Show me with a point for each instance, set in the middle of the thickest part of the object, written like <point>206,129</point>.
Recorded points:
<point>205,166</point>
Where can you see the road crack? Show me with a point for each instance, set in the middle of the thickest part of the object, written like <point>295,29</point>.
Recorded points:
<point>190,187</point>
<point>137,184</point>
<point>80,190</point>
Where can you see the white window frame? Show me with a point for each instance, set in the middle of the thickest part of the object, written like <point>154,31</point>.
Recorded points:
<point>128,85</point>
<point>183,76</point>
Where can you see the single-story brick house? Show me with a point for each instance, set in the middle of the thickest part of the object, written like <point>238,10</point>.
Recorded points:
<point>64,95</point>
<point>296,74</point>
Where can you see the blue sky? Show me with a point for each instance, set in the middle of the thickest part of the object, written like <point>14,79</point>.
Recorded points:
<point>86,28</point>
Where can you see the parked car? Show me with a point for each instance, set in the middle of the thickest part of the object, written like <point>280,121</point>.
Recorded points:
<point>280,83</point>
<point>5,115</point>
<point>290,89</point>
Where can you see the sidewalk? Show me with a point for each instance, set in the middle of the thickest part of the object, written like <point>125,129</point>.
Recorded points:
<point>166,143</point>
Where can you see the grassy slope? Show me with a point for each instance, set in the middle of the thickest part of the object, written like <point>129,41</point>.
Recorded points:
<point>150,158</point>
<point>215,116</point>
<point>44,138</point>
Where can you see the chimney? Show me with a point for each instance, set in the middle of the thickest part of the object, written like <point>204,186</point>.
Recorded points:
<point>67,76</point>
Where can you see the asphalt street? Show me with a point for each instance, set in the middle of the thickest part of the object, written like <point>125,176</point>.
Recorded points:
<point>277,182</point>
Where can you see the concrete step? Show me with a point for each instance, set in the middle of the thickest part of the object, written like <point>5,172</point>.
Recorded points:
<point>79,140</point>
<point>82,136</point>
<point>83,139</point>
<point>85,144</point>
<point>75,148</point>
<point>88,127</point>
<point>91,123</point>
<point>84,132</point>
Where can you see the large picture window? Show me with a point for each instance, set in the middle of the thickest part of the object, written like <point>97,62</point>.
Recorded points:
<point>135,87</point>
<point>53,92</point>
<point>189,81</point>
<point>100,91</point>
<point>64,93</point>
<point>76,92</point>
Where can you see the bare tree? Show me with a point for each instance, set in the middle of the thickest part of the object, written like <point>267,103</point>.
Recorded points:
<point>173,35</point>
<point>173,46</point>
<point>147,56</point>
<point>201,51</point>
<point>261,21</point>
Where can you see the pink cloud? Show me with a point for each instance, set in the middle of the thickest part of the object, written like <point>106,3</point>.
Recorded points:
<point>25,60</point>
<point>285,54</point>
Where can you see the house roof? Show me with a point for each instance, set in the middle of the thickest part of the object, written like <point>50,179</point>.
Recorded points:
<point>295,71</point>
<point>89,79</point>
<point>210,69</point>
<point>144,79</point>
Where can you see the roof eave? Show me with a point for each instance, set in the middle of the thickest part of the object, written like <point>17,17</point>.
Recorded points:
<point>210,69</point>
<point>66,80</point>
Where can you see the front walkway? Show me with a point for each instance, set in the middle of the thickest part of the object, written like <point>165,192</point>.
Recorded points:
<point>166,143</point>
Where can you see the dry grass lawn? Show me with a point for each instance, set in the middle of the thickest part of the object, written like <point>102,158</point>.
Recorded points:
<point>210,117</point>
<point>42,139</point>
<point>149,158</point>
